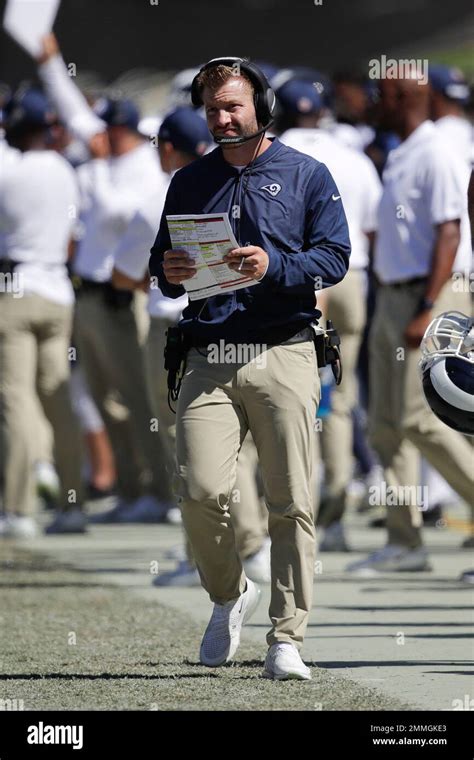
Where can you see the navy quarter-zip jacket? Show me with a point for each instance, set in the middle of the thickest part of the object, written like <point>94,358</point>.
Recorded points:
<point>301,226</point>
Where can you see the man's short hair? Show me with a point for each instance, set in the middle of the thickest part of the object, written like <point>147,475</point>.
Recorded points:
<point>215,76</point>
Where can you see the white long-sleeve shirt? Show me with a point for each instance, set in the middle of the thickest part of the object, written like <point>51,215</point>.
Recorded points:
<point>133,253</point>
<point>112,191</point>
<point>38,206</point>
<point>72,107</point>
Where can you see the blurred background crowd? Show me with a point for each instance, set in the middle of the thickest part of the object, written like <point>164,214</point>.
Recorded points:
<point>87,434</point>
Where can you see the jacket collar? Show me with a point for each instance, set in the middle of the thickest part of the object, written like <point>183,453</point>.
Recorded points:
<point>267,155</point>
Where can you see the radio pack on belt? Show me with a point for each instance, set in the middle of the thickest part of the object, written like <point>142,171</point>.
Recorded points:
<point>327,343</point>
<point>176,350</point>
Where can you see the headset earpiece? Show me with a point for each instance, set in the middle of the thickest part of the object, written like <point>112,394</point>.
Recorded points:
<point>264,97</point>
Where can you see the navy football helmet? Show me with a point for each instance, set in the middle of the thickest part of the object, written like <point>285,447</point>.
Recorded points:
<point>447,369</point>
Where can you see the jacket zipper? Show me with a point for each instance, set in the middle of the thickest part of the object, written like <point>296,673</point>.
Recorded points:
<point>239,207</point>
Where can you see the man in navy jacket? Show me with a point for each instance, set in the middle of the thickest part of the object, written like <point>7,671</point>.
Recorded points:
<point>288,219</point>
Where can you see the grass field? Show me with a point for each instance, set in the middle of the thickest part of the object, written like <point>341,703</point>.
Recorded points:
<point>69,642</point>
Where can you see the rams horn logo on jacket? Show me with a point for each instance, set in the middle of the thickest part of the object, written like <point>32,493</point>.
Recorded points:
<point>273,189</point>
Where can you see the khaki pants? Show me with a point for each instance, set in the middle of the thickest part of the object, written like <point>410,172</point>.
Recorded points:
<point>346,307</point>
<point>44,439</point>
<point>142,318</point>
<point>113,362</point>
<point>400,415</point>
<point>277,402</point>
<point>35,335</point>
<point>248,512</point>
<point>156,377</point>
<point>248,517</point>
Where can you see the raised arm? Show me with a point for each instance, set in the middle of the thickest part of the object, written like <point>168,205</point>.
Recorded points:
<point>72,107</point>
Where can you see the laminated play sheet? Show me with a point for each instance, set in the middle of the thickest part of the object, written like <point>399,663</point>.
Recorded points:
<point>207,238</point>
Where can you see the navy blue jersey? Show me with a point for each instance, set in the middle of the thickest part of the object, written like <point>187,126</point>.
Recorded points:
<point>289,205</point>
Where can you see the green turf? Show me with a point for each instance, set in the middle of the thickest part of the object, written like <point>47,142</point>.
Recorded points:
<point>131,654</point>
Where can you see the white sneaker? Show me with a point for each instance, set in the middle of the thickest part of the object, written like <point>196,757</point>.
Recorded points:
<point>392,559</point>
<point>47,482</point>
<point>185,575</point>
<point>72,521</point>
<point>174,516</point>
<point>257,567</point>
<point>222,636</point>
<point>334,539</point>
<point>283,662</point>
<point>13,526</point>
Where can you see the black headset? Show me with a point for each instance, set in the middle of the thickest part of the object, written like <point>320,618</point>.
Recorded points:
<point>264,97</point>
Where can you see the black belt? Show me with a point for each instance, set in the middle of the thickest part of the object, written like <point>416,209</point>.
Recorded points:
<point>405,283</point>
<point>113,297</point>
<point>274,337</point>
<point>87,286</point>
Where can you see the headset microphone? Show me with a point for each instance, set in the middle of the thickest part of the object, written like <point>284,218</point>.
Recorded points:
<point>221,140</point>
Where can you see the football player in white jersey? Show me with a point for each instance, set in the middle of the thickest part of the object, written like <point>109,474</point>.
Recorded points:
<point>123,173</point>
<point>38,207</point>
<point>345,303</point>
<point>422,261</point>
